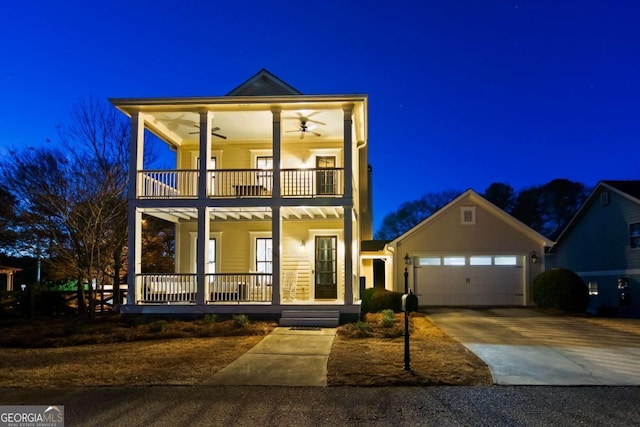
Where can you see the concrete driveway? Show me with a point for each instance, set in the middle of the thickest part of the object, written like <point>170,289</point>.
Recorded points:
<point>524,347</point>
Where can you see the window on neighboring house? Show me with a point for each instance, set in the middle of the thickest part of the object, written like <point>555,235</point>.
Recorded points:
<point>593,288</point>
<point>468,215</point>
<point>634,235</point>
<point>264,255</point>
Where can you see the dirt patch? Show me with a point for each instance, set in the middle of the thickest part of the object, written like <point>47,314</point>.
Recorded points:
<point>377,357</point>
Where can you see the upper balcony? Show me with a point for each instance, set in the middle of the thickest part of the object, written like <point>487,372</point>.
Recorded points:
<point>240,183</point>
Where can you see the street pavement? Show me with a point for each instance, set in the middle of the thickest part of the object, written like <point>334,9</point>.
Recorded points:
<point>337,406</point>
<point>524,347</point>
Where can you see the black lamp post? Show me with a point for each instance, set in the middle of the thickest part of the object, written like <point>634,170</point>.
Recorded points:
<point>407,357</point>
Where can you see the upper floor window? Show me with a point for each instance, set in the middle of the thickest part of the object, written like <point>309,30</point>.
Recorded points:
<point>634,235</point>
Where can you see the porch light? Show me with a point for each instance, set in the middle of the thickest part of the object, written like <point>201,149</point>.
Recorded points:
<point>303,164</point>
<point>303,245</point>
<point>407,259</point>
<point>534,257</point>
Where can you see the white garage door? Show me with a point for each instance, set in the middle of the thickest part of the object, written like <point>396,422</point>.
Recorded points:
<point>470,280</point>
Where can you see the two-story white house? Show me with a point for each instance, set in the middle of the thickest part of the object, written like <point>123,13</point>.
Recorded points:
<point>271,223</point>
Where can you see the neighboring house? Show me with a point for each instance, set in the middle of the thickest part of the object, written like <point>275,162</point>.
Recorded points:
<point>271,223</point>
<point>469,253</point>
<point>10,273</point>
<point>602,245</point>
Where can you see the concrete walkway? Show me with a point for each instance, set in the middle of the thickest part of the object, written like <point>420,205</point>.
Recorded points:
<point>285,357</point>
<point>525,347</point>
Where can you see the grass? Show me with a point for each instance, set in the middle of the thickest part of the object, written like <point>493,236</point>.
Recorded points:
<point>66,352</point>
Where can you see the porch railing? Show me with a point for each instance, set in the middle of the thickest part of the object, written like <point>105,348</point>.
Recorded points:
<point>239,287</point>
<point>312,182</point>
<point>167,184</point>
<point>228,183</point>
<point>240,182</point>
<point>168,288</point>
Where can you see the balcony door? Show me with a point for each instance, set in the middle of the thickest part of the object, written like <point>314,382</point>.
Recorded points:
<point>326,267</point>
<point>325,175</point>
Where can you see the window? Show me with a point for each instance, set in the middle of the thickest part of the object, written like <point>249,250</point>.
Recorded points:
<point>264,259</point>
<point>468,215</point>
<point>593,288</point>
<point>430,261</point>
<point>264,162</point>
<point>505,260</point>
<point>480,260</point>
<point>604,198</point>
<point>454,260</point>
<point>634,235</point>
<point>212,256</point>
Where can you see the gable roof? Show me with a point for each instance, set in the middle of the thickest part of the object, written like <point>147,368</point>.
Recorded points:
<point>487,205</point>
<point>628,189</point>
<point>264,83</point>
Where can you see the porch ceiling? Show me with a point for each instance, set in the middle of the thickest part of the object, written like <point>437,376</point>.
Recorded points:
<point>181,127</point>
<point>247,214</point>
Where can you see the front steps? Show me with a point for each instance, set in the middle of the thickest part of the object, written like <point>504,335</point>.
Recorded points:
<point>319,318</point>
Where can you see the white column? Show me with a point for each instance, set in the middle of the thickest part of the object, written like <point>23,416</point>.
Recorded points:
<point>136,153</point>
<point>205,153</point>
<point>10,281</point>
<point>276,239</point>
<point>277,155</point>
<point>348,255</point>
<point>348,152</point>
<point>202,264</point>
<point>135,254</point>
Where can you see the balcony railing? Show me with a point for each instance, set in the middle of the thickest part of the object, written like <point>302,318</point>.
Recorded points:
<point>168,288</point>
<point>239,287</point>
<point>229,183</point>
<point>168,184</point>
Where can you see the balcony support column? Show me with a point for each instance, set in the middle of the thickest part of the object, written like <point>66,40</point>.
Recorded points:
<point>276,237</point>
<point>134,239</point>
<point>202,263</point>
<point>277,154</point>
<point>205,153</point>
<point>348,255</point>
<point>134,259</point>
<point>348,151</point>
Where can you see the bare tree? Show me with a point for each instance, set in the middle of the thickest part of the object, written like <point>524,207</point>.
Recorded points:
<point>72,200</point>
<point>413,212</point>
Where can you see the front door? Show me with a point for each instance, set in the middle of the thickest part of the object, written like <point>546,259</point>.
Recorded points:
<point>326,267</point>
<point>325,175</point>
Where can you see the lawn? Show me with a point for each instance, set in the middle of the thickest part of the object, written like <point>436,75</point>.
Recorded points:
<point>63,352</point>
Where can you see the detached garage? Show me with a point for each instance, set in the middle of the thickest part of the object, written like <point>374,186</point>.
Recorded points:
<point>469,253</point>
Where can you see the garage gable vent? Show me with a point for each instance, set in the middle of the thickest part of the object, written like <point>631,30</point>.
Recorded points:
<point>468,215</point>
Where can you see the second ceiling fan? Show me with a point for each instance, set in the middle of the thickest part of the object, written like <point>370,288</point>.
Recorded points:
<point>213,132</point>
<point>307,124</point>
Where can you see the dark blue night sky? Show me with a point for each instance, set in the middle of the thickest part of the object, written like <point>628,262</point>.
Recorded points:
<point>461,93</point>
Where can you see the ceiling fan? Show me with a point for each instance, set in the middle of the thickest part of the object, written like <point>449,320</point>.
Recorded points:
<point>213,132</point>
<point>307,125</point>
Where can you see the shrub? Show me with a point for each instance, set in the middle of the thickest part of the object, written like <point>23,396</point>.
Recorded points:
<point>241,320</point>
<point>388,318</point>
<point>560,289</point>
<point>363,327</point>
<point>210,318</point>
<point>378,299</point>
<point>158,326</point>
